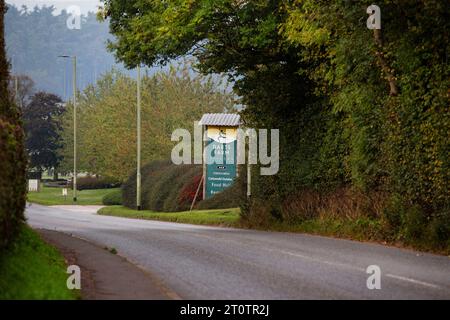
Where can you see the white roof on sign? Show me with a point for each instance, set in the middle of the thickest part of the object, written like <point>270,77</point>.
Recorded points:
<point>221,119</point>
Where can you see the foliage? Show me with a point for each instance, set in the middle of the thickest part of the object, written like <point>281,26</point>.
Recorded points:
<point>31,269</point>
<point>163,186</point>
<point>41,124</point>
<point>358,109</point>
<point>106,116</point>
<point>113,198</point>
<point>91,183</point>
<point>12,156</point>
<point>25,89</point>
<point>228,198</point>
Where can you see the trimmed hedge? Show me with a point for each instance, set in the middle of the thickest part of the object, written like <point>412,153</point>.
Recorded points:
<point>114,198</point>
<point>229,198</point>
<point>13,160</point>
<point>12,180</point>
<point>169,188</point>
<point>91,183</point>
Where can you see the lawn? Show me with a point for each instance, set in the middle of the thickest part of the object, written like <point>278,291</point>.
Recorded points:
<point>53,196</point>
<point>32,269</point>
<point>222,217</point>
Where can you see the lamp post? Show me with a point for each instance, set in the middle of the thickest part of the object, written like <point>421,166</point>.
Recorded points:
<point>138,127</point>
<point>74,60</point>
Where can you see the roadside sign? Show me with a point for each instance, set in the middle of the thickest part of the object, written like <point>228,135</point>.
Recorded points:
<point>221,148</point>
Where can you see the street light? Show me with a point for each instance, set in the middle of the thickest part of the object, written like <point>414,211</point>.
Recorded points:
<point>74,59</point>
<point>138,126</point>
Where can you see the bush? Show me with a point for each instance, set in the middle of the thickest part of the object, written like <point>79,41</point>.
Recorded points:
<point>113,198</point>
<point>13,160</point>
<point>12,180</point>
<point>168,187</point>
<point>90,183</point>
<point>228,198</point>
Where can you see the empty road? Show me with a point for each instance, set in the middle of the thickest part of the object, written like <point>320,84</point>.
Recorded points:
<point>198,262</point>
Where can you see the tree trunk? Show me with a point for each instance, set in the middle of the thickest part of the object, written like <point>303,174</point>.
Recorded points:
<point>386,70</point>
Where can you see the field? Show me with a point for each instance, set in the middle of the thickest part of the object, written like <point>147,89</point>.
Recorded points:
<point>53,196</point>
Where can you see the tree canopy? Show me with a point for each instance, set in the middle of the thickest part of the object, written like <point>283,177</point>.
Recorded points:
<point>359,109</point>
<point>107,118</point>
<point>42,126</point>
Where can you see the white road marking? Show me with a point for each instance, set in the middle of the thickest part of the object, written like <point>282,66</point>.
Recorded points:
<point>422,283</point>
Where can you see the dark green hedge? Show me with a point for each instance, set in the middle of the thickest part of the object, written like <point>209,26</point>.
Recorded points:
<point>168,187</point>
<point>90,183</point>
<point>12,180</point>
<point>13,161</point>
<point>114,198</point>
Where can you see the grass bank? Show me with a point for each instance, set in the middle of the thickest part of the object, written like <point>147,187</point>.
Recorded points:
<point>222,217</point>
<point>53,196</point>
<point>32,269</point>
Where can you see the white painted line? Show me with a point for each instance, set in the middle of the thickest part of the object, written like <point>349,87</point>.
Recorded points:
<point>335,264</point>
<point>422,283</point>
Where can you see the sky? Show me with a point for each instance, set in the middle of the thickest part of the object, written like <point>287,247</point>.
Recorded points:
<point>85,5</point>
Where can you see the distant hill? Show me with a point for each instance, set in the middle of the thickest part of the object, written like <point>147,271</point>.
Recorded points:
<point>34,39</point>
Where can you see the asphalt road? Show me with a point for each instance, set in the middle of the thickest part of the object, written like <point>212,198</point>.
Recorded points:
<point>200,262</point>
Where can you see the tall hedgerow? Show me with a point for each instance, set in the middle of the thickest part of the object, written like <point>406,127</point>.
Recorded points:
<point>12,156</point>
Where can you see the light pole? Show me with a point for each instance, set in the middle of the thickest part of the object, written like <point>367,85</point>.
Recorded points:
<point>138,126</point>
<point>74,60</point>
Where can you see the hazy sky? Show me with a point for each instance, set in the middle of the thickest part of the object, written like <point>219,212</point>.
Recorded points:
<point>85,5</point>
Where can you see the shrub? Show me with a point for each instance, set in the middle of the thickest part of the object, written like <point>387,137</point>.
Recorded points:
<point>13,160</point>
<point>440,229</point>
<point>150,174</point>
<point>12,180</point>
<point>189,190</point>
<point>114,198</point>
<point>168,187</point>
<point>90,182</point>
<point>228,198</point>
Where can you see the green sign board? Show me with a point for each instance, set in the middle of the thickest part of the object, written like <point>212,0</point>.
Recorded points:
<point>221,148</point>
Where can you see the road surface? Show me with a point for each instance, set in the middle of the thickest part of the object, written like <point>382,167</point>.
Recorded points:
<point>199,262</point>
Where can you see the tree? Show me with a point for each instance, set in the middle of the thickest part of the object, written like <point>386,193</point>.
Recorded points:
<point>107,118</point>
<point>358,110</point>
<point>41,124</point>
<point>25,89</point>
<point>32,51</point>
<point>12,156</point>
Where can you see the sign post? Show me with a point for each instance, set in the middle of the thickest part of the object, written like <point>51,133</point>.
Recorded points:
<point>64,193</point>
<point>220,152</point>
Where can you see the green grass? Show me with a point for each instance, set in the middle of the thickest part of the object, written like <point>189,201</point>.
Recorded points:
<point>53,196</point>
<point>222,217</point>
<point>32,269</point>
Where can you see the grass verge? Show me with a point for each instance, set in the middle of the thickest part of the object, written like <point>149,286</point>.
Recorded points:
<point>53,196</point>
<point>361,229</point>
<point>30,269</point>
<point>222,217</point>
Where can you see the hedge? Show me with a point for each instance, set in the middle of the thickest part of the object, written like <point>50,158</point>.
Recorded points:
<point>91,183</point>
<point>13,161</point>
<point>114,198</point>
<point>12,180</point>
<point>169,188</point>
